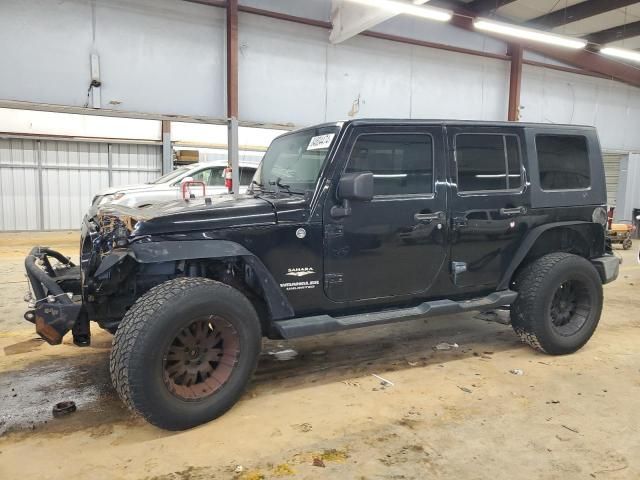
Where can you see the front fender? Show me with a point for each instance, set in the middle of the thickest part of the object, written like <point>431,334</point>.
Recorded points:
<point>168,251</point>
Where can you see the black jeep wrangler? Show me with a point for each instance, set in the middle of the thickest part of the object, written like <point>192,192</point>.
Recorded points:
<point>345,225</point>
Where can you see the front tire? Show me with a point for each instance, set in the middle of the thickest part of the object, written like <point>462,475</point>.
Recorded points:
<point>559,303</point>
<point>184,353</point>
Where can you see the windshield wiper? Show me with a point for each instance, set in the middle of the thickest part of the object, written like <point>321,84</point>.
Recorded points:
<point>281,186</point>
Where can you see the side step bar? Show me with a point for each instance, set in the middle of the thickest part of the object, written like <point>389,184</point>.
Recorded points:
<point>318,324</point>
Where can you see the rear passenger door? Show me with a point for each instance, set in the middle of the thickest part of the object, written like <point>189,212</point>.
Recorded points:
<point>489,205</point>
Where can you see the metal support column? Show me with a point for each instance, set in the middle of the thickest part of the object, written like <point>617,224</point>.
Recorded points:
<point>233,154</point>
<point>110,164</point>
<point>515,81</point>
<point>232,93</point>
<point>167,151</point>
<point>40,211</point>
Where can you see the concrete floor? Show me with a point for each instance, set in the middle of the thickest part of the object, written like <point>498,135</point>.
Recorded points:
<point>450,414</point>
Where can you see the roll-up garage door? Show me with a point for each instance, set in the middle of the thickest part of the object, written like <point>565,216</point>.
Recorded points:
<point>48,184</point>
<point>612,174</point>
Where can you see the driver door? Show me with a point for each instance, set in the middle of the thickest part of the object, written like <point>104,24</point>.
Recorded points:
<point>393,245</point>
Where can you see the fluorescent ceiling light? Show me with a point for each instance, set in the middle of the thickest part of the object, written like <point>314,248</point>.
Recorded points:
<point>399,8</point>
<point>621,53</point>
<point>528,34</point>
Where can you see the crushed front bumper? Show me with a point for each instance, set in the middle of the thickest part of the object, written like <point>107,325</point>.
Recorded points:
<point>54,305</point>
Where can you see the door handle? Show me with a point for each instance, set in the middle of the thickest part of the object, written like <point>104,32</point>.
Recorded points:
<point>513,211</point>
<point>428,217</point>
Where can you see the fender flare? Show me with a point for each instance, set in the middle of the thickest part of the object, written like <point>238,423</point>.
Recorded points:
<point>526,245</point>
<point>168,251</point>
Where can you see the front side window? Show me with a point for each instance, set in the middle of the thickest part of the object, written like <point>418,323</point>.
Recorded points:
<point>488,162</point>
<point>402,164</point>
<point>294,160</point>
<point>563,161</point>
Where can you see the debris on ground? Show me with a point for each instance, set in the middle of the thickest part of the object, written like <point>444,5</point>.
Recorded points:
<point>351,383</point>
<point>464,389</point>
<point>446,346</point>
<point>517,371</point>
<point>318,462</point>
<point>64,408</point>
<point>319,352</point>
<point>570,429</point>
<point>303,427</point>
<point>555,402</point>
<point>238,469</point>
<point>383,381</point>
<point>496,316</point>
<point>412,364</point>
<point>283,355</point>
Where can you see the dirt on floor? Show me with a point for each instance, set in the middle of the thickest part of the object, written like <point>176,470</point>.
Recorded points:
<point>488,408</point>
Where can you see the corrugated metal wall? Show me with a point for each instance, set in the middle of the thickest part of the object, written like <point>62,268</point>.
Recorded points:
<point>612,174</point>
<point>48,184</point>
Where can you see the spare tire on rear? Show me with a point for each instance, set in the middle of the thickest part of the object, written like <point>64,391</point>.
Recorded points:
<point>185,351</point>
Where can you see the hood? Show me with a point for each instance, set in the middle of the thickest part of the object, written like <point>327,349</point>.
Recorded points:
<point>184,216</point>
<point>139,187</point>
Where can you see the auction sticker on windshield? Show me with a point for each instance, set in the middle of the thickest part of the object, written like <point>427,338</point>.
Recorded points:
<point>320,141</point>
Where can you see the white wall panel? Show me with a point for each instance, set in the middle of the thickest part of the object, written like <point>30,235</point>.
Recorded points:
<point>475,87</point>
<point>157,56</point>
<point>44,46</point>
<point>282,69</point>
<point>374,73</point>
<point>558,97</point>
<point>291,73</point>
<point>316,9</point>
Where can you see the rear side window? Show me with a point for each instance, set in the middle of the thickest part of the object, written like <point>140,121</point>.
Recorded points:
<point>402,164</point>
<point>563,161</point>
<point>488,162</point>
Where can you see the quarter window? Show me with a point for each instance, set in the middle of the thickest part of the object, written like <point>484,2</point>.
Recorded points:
<point>488,162</point>
<point>563,161</point>
<point>402,164</point>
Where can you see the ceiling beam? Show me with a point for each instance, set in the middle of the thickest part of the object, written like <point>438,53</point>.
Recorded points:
<point>579,11</point>
<point>584,59</point>
<point>616,33</point>
<point>487,6</point>
<point>349,19</point>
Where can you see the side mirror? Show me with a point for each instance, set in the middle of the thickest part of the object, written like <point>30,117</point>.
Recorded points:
<point>356,186</point>
<point>353,186</point>
<point>185,180</point>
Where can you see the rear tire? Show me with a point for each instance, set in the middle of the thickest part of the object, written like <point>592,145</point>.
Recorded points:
<point>627,243</point>
<point>559,303</point>
<point>184,353</point>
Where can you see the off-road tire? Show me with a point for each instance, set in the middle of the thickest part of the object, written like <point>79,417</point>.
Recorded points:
<point>537,284</point>
<point>137,362</point>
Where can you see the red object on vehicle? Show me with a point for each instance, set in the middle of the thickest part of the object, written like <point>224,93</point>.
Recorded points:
<point>228,182</point>
<point>186,192</point>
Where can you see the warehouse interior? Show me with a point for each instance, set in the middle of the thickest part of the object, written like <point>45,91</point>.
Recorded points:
<point>100,94</point>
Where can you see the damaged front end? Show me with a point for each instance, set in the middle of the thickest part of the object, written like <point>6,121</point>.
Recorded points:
<point>64,296</point>
<point>55,303</point>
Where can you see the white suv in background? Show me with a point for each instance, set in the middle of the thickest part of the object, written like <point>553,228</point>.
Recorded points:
<point>169,186</point>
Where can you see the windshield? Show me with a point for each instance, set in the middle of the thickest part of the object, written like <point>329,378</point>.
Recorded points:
<point>170,176</point>
<point>293,161</point>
